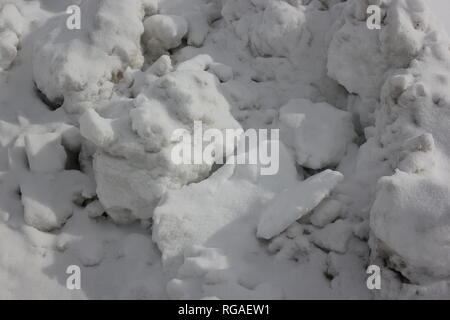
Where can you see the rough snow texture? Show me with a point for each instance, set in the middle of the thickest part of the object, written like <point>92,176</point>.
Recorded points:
<point>11,28</point>
<point>293,204</point>
<point>364,157</point>
<point>133,163</point>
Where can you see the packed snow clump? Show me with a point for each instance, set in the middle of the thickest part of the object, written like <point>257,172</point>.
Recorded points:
<point>79,67</point>
<point>230,194</point>
<point>296,203</point>
<point>11,28</point>
<point>135,150</point>
<point>163,32</point>
<point>99,129</point>
<point>403,76</point>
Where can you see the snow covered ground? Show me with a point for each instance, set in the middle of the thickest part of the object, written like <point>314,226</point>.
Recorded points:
<point>93,205</point>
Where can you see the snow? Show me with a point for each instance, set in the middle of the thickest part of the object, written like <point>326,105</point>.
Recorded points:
<point>136,149</point>
<point>60,67</point>
<point>334,236</point>
<point>45,152</point>
<point>96,129</point>
<point>294,203</point>
<point>163,32</point>
<point>326,212</point>
<point>231,192</point>
<point>87,122</point>
<point>440,9</point>
<point>48,199</point>
<point>305,125</point>
<point>11,28</point>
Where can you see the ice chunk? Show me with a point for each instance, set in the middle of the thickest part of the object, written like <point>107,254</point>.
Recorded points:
<point>410,219</point>
<point>327,211</point>
<point>291,204</point>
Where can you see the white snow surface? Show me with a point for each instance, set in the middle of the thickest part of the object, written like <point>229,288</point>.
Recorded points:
<point>87,178</point>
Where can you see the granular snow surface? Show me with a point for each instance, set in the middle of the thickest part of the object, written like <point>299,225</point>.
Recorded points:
<point>87,171</point>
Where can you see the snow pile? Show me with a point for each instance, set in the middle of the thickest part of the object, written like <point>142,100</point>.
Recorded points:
<point>11,28</point>
<point>363,161</point>
<point>43,161</point>
<point>76,66</point>
<point>135,150</point>
<point>274,28</point>
<point>45,152</point>
<point>404,73</point>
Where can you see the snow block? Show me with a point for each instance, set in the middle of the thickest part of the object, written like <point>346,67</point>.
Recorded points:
<point>292,204</point>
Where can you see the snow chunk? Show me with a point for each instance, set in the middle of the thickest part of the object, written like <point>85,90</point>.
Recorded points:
<point>90,251</point>
<point>410,220</point>
<point>11,18</point>
<point>138,247</point>
<point>4,216</point>
<point>291,204</point>
<point>94,209</point>
<point>11,28</point>
<point>162,66</point>
<point>45,153</point>
<point>80,66</point>
<point>221,71</point>
<point>48,199</point>
<point>327,211</point>
<point>318,132</point>
<point>8,48</point>
<point>96,129</point>
<point>272,28</point>
<point>195,213</point>
<point>334,236</point>
<point>163,32</point>
<point>136,169</point>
